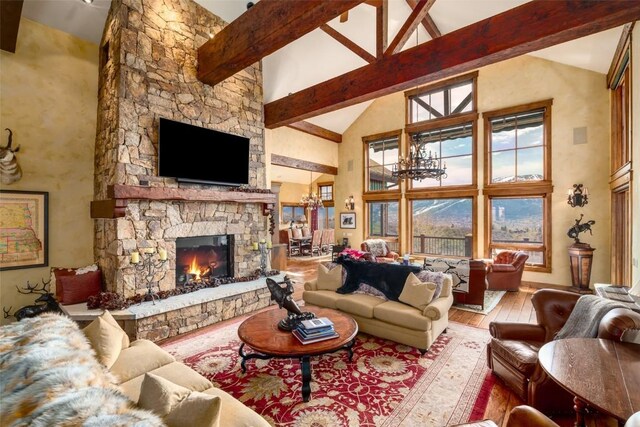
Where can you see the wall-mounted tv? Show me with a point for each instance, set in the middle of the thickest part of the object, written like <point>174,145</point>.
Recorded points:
<point>196,154</point>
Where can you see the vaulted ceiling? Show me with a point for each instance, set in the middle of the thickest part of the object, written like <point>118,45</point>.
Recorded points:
<point>323,54</point>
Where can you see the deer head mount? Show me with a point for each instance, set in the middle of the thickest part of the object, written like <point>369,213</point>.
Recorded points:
<point>10,171</point>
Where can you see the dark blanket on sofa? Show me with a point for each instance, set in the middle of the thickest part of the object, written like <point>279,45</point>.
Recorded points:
<point>387,278</point>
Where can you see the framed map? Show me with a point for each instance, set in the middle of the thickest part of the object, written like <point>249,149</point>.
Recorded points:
<point>23,229</point>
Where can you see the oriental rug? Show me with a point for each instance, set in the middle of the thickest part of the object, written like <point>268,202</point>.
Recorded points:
<point>387,384</point>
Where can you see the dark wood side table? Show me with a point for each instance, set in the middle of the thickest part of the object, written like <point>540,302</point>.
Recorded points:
<point>601,374</point>
<point>261,333</point>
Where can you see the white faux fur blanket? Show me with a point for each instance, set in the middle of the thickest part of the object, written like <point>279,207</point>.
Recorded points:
<point>49,376</point>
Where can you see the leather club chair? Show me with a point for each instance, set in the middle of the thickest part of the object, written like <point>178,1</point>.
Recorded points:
<point>520,416</point>
<point>389,257</point>
<point>505,273</point>
<point>512,353</point>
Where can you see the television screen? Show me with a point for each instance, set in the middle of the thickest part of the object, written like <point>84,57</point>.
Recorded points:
<point>195,154</point>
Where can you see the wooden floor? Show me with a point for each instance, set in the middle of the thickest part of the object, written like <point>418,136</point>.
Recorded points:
<point>513,307</point>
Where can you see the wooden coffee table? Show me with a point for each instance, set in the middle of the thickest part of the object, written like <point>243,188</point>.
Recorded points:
<point>261,333</point>
<point>602,374</point>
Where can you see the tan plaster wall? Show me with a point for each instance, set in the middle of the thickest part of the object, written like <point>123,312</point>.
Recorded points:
<point>49,89</point>
<point>635,126</point>
<point>580,98</point>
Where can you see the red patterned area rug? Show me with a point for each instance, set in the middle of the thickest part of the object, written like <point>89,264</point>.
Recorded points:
<point>387,384</point>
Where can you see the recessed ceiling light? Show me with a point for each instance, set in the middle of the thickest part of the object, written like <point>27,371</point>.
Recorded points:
<point>88,1</point>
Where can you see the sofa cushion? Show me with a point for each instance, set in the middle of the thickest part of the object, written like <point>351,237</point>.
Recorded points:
<point>321,298</point>
<point>403,315</point>
<point>234,413</point>
<point>329,279</point>
<point>179,406</point>
<point>358,304</point>
<point>105,339</point>
<point>176,372</point>
<point>141,357</point>
<point>113,322</point>
<point>78,288</point>
<point>522,355</point>
<point>57,273</point>
<point>416,293</point>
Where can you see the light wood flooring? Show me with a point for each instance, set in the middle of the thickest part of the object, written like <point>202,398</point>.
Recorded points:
<point>513,307</point>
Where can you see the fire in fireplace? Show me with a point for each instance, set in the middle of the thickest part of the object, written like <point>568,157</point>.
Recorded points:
<point>199,260</point>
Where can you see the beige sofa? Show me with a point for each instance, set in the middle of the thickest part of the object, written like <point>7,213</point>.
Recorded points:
<point>391,320</point>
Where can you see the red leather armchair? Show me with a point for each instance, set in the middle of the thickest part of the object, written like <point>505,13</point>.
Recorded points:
<point>505,274</point>
<point>512,353</point>
<point>389,257</point>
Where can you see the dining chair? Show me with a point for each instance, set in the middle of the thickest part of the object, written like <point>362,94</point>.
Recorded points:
<point>294,245</point>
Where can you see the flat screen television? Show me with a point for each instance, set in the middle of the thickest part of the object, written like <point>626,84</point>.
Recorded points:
<point>195,154</point>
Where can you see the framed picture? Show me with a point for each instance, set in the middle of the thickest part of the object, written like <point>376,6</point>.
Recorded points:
<point>347,220</point>
<point>24,236</point>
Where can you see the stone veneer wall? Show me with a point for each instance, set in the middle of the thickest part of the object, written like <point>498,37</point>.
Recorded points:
<point>148,70</point>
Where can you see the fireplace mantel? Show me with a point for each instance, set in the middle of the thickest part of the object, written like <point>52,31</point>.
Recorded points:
<point>119,195</point>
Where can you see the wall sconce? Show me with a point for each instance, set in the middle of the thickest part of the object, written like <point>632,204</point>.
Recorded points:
<point>349,203</point>
<point>577,196</point>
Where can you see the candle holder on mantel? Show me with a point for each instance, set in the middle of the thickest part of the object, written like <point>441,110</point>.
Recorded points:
<point>264,248</point>
<point>144,261</point>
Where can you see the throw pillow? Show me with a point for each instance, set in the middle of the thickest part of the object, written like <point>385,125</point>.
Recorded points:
<point>57,273</point>
<point>178,405</point>
<point>416,293</point>
<point>377,247</point>
<point>113,322</point>
<point>79,287</point>
<point>329,279</point>
<point>105,339</point>
<point>435,277</point>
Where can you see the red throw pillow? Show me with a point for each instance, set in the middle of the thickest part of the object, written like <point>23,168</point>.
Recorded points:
<point>78,288</point>
<point>58,273</point>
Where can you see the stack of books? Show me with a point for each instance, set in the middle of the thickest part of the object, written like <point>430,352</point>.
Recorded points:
<point>315,330</point>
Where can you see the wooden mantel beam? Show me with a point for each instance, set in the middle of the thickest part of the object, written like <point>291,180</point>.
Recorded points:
<point>532,26</point>
<point>268,26</point>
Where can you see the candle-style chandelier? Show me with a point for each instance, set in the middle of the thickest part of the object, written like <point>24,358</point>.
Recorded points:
<point>311,200</point>
<point>419,165</point>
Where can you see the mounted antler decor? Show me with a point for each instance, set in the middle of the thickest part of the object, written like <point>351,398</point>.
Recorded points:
<point>47,299</point>
<point>10,171</point>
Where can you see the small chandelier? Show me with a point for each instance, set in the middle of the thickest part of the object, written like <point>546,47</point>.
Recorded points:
<point>311,200</point>
<point>419,165</point>
<point>578,196</point>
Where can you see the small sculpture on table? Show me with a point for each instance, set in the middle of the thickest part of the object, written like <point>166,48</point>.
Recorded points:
<point>282,296</point>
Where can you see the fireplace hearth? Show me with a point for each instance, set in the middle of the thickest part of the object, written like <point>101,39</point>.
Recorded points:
<point>202,259</point>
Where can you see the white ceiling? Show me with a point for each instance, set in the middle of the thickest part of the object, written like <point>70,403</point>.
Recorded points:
<point>317,57</point>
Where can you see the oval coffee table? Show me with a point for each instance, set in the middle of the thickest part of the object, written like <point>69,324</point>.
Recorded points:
<point>261,333</point>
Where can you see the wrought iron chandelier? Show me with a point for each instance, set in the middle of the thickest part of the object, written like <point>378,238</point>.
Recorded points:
<point>311,200</point>
<point>419,165</point>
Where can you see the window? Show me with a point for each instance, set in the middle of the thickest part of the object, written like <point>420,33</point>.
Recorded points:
<point>517,147</point>
<point>326,217</point>
<point>454,146</point>
<point>442,227</point>
<point>383,221</point>
<point>381,153</point>
<point>325,191</point>
<point>292,213</point>
<point>448,98</point>
<point>518,182</point>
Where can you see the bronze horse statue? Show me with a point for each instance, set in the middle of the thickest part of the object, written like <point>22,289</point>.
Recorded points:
<point>282,296</point>
<point>578,228</point>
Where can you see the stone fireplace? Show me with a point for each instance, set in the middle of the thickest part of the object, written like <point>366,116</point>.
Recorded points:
<point>148,63</point>
<point>200,260</point>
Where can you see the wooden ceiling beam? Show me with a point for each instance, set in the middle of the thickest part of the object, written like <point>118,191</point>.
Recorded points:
<point>417,15</point>
<point>290,162</point>
<point>532,26</point>
<point>427,21</point>
<point>346,42</point>
<point>10,11</point>
<point>382,20</point>
<point>316,130</point>
<point>268,26</point>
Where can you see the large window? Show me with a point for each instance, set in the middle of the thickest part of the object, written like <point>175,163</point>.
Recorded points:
<point>449,98</point>
<point>518,182</point>
<point>442,227</point>
<point>326,217</point>
<point>454,146</point>
<point>383,222</point>
<point>292,213</point>
<point>381,153</point>
<point>326,191</point>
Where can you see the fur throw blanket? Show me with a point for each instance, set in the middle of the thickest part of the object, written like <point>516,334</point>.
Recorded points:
<point>386,278</point>
<point>584,320</point>
<point>49,376</point>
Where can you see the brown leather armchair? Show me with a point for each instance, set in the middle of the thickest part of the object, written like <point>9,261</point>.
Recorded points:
<point>389,257</point>
<point>505,274</point>
<point>512,353</point>
<point>520,416</point>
